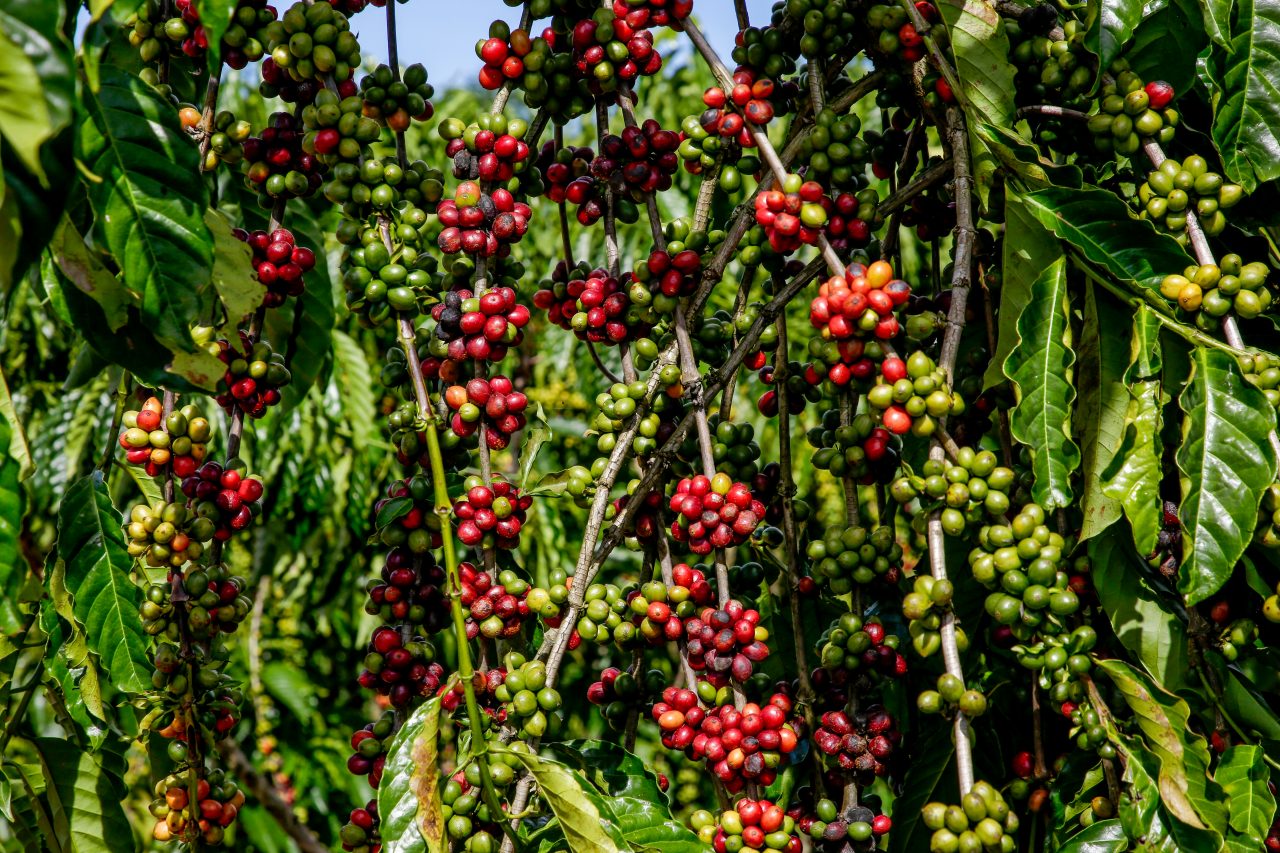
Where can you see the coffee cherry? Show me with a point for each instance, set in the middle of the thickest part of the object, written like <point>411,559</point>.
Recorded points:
<point>400,670</point>
<point>852,645</point>
<point>860,744</point>
<point>167,534</point>
<point>756,825</point>
<point>393,102</point>
<point>337,129</point>
<point>713,512</point>
<point>594,305</point>
<point>479,329</point>
<point>156,443</point>
<point>982,821</point>
<point>409,590</point>
<point>275,164</point>
<point>278,262</point>
<point>313,42</point>
<point>255,374</point>
<point>489,402</point>
<point>491,516</point>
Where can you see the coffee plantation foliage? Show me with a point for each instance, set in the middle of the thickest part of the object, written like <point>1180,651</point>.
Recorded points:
<point>864,439</point>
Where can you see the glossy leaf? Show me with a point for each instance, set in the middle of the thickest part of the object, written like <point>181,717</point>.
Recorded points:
<point>37,82</point>
<point>1217,20</point>
<point>412,816</point>
<point>1144,624</point>
<point>1105,836</point>
<point>149,202</point>
<point>91,543</point>
<point>1097,223</point>
<point>981,50</point>
<point>232,273</point>
<point>1243,775</point>
<point>1110,25</point>
<point>1025,160</point>
<point>89,797</point>
<point>1140,806</point>
<point>1240,700</point>
<point>1226,463</point>
<point>931,777</point>
<point>1028,249</point>
<point>1040,367</point>
<point>584,815</point>
<point>1104,400</point>
<point>87,272</point>
<point>1166,44</point>
<point>1246,121</point>
<point>1185,787</point>
<point>1133,478</point>
<point>642,810</point>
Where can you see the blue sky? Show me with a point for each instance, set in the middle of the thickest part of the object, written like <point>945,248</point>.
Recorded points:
<point>441,34</point>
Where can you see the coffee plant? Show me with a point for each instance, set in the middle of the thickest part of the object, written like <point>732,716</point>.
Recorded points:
<point>865,439</point>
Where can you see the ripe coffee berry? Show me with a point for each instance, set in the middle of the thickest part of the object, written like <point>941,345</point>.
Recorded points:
<point>756,825</point>
<point>594,305</point>
<point>156,442</point>
<point>405,516</point>
<point>410,589</point>
<point>491,402</point>
<point>224,495</point>
<point>398,670</point>
<point>725,643</point>
<point>255,374</point>
<point>861,743</point>
<point>275,164</point>
<point>713,512</point>
<point>491,516</point>
<point>479,329</point>
<point>279,263</point>
<point>479,223</point>
<point>494,609</point>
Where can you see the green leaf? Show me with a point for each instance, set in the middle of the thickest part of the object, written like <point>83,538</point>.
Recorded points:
<point>1142,623</point>
<point>536,435</point>
<point>1134,476</point>
<point>291,687</point>
<point>149,202</point>
<point>931,777</point>
<point>75,647</point>
<point>1217,21</point>
<point>643,811</point>
<point>1166,44</point>
<point>1025,160</point>
<point>584,816</point>
<point>13,567</point>
<point>1227,463</point>
<point>981,50</point>
<point>1246,120</point>
<point>1099,224</point>
<point>1040,367</point>
<point>215,16</point>
<point>84,269</point>
<point>1028,249</point>
<point>1110,24</point>
<point>1104,400</point>
<point>232,274</point>
<point>412,816</point>
<point>37,84</point>
<point>355,384</point>
<point>89,796</point>
<point>1105,836</point>
<point>1140,806</point>
<point>1241,702</point>
<point>1243,775</point>
<point>1185,787</point>
<point>393,510</point>
<point>91,543</point>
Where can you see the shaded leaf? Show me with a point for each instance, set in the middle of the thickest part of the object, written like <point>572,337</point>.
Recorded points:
<point>1040,367</point>
<point>92,545</point>
<point>1110,24</point>
<point>1246,120</point>
<point>232,273</point>
<point>150,201</point>
<point>1166,44</point>
<point>13,567</point>
<point>1099,224</point>
<point>1217,20</point>
<point>931,777</point>
<point>1105,836</point>
<point>74,647</point>
<point>1146,627</point>
<point>1025,160</point>
<point>1104,400</point>
<point>355,385</point>
<point>1134,476</point>
<point>412,816</point>
<point>1243,775</point>
<point>1227,463</point>
<point>37,83</point>
<point>83,268</point>
<point>89,795</point>
<point>1185,787</point>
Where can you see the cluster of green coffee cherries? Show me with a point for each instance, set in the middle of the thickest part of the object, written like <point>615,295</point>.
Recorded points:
<point>381,281</point>
<point>1213,291</point>
<point>853,556</point>
<point>1130,111</point>
<point>1174,190</point>
<point>973,488</point>
<point>982,821</point>
<point>528,699</point>
<point>924,607</point>
<point>1022,562</point>
<point>382,186</point>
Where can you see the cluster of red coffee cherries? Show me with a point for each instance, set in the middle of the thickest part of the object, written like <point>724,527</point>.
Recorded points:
<point>480,223</point>
<point>725,643</point>
<point>674,276</point>
<point>485,682</point>
<point>491,514</point>
<point>713,512</point>
<point>481,329</point>
<point>747,746</point>
<point>661,621</point>
<point>279,263</point>
<point>492,402</point>
<point>860,743</point>
<point>755,821</point>
<point>254,377</point>
<point>645,157</point>
<point>398,670</point>
<point>594,308</point>
<point>492,610</point>
<point>570,166</point>
<point>859,304</point>
<point>659,13</point>
<point>409,590</point>
<point>591,51</point>
<point>278,154</point>
<point>234,496</point>
<point>491,157</point>
<point>502,60</point>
